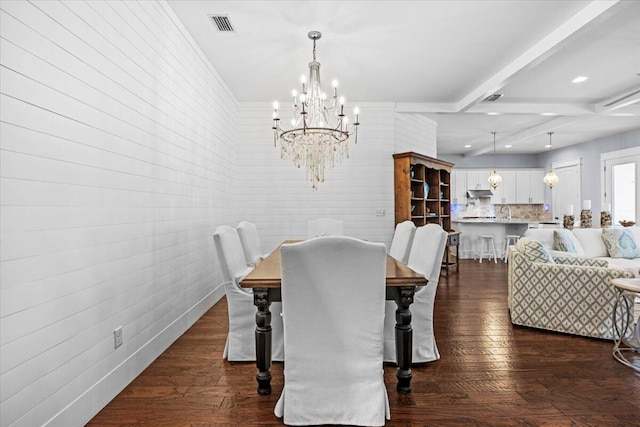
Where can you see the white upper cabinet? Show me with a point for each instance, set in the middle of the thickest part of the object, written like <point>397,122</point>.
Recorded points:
<point>459,186</point>
<point>529,186</point>
<point>536,186</point>
<point>518,186</point>
<point>506,191</point>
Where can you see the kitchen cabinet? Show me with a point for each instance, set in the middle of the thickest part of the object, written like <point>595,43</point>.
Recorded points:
<point>459,187</point>
<point>529,186</point>
<point>506,191</point>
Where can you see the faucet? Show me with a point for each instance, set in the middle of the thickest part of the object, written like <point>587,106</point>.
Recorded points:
<point>508,210</point>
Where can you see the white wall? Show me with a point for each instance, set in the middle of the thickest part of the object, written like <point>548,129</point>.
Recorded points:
<point>118,145</point>
<point>276,196</point>
<point>415,132</point>
<point>121,151</point>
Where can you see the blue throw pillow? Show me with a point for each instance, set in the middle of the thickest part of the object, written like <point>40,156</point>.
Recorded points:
<point>620,243</point>
<point>562,241</point>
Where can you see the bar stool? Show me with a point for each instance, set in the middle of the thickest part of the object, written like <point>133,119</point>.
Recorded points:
<point>484,245</point>
<point>626,335</point>
<point>509,239</point>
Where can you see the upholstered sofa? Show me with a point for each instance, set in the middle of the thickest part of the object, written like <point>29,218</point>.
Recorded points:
<point>589,242</point>
<point>570,294</point>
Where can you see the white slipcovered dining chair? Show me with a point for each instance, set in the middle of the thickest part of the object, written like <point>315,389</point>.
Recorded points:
<point>250,239</point>
<point>333,296</point>
<point>427,249</point>
<point>240,345</point>
<point>402,239</point>
<point>325,227</point>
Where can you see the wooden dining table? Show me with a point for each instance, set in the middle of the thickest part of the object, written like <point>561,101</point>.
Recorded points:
<point>266,280</point>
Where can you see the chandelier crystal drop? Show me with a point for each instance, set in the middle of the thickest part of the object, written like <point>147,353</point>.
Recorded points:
<point>551,179</point>
<point>320,130</point>
<point>494,178</point>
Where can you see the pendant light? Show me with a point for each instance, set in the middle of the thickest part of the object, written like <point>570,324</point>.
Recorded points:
<point>550,178</point>
<point>494,178</point>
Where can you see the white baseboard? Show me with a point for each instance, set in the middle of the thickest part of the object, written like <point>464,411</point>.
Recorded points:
<point>86,406</point>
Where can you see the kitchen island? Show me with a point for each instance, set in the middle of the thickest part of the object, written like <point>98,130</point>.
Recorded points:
<point>471,228</point>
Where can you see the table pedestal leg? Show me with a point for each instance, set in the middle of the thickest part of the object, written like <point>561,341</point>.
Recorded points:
<point>261,299</point>
<point>404,338</point>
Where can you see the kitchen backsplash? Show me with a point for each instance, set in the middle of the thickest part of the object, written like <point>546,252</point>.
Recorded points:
<point>482,208</point>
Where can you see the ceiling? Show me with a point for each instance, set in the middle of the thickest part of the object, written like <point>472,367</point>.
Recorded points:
<point>442,59</point>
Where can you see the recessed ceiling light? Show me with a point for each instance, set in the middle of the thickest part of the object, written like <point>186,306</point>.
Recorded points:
<point>547,146</point>
<point>467,146</point>
<point>508,146</point>
<point>548,114</point>
<point>580,79</point>
<point>493,113</point>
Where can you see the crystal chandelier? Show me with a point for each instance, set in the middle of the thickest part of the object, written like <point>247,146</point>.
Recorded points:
<point>320,131</point>
<point>494,178</point>
<point>550,178</point>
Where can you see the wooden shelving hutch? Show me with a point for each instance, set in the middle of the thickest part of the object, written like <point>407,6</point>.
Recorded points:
<point>422,189</point>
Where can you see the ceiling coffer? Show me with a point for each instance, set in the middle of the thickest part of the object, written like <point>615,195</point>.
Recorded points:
<point>222,23</point>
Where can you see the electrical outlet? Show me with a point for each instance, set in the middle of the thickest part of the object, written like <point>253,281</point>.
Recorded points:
<point>380,212</point>
<point>117,337</point>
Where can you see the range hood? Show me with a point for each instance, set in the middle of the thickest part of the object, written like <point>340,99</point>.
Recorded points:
<point>479,193</point>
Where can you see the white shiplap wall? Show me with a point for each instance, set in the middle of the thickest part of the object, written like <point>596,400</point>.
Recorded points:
<point>117,162</point>
<point>415,132</point>
<point>277,197</point>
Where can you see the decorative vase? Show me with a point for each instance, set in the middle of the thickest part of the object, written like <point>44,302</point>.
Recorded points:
<point>585,218</point>
<point>426,190</point>
<point>605,219</point>
<point>567,221</point>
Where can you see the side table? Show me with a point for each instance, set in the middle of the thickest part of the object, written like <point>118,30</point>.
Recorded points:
<point>453,241</point>
<point>626,328</point>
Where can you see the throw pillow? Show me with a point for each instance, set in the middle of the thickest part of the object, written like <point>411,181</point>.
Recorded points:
<point>620,243</point>
<point>563,240</point>
<point>534,250</point>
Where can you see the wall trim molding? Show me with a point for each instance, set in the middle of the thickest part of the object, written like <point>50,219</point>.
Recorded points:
<point>86,406</point>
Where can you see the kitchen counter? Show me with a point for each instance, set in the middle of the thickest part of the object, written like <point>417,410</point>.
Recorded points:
<point>499,228</point>
<point>492,221</point>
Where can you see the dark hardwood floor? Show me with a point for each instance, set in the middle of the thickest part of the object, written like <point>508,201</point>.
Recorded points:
<point>490,373</point>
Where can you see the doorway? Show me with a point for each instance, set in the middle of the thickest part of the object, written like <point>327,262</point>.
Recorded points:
<point>621,170</point>
<point>566,193</point>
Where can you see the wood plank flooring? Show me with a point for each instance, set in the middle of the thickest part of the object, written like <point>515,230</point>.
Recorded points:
<point>490,373</point>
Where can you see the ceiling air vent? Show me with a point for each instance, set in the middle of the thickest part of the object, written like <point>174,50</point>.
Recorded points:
<point>493,97</point>
<point>222,23</point>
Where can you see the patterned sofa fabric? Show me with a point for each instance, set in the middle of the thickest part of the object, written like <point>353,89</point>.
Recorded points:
<point>573,296</point>
<point>590,244</point>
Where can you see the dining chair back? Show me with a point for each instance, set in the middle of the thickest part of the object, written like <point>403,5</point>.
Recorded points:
<point>240,344</point>
<point>325,227</point>
<point>250,239</point>
<point>402,239</point>
<point>425,257</point>
<point>333,296</point>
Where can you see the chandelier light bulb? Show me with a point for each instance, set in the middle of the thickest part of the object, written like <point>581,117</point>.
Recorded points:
<point>320,131</point>
<point>276,105</point>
